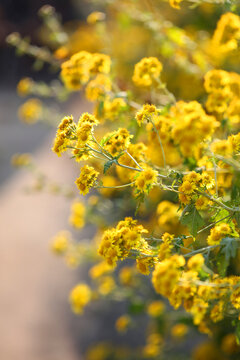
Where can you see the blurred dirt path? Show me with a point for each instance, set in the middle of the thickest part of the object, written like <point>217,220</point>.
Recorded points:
<point>34,310</point>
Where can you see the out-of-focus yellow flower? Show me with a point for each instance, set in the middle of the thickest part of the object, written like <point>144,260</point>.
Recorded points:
<point>24,86</point>
<point>175,3</point>
<point>147,72</point>
<point>127,275</point>
<point>106,285</point>
<point>98,352</point>
<point>208,351</point>
<point>87,179</point>
<point>77,217</point>
<point>179,330</point>
<point>60,242</point>
<point>110,181</point>
<point>156,308</point>
<point>30,112</point>
<point>79,298</point>
<point>229,344</point>
<point>154,345</point>
<point>95,16</point>
<point>195,262</point>
<point>99,269</point>
<point>122,323</point>
<point>19,160</point>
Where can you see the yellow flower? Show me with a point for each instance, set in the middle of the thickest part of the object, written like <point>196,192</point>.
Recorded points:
<point>30,112</point>
<point>175,3</point>
<point>116,243</point>
<point>156,308</point>
<point>60,242</point>
<point>63,135</point>
<point>99,269</point>
<point>117,141</point>
<point>217,233</point>
<point>195,262</point>
<point>145,180</point>
<point>202,203</point>
<point>79,297</point>
<point>87,179</point>
<point>95,16</point>
<point>179,330</point>
<point>145,113</point>
<point>127,276</point>
<point>106,286</point>
<point>77,215</point>
<point>24,86</point>
<point>167,274</point>
<point>97,88</point>
<point>19,160</point>
<point>122,323</point>
<point>147,71</point>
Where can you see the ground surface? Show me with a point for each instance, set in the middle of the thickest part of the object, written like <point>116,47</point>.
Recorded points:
<point>35,316</point>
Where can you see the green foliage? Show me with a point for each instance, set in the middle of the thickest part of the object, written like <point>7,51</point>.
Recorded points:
<point>192,219</point>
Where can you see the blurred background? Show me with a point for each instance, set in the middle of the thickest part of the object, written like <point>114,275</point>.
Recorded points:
<point>36,320</point>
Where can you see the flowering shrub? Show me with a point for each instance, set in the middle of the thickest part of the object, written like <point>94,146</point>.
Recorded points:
<point>159,156</point>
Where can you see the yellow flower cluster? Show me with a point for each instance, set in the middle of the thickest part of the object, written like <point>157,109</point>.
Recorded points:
<point>87,179</point>
<point>79,297</point>
<point>77,71</point>
<point>84,128</point>
<point>112,108</point>
<point>192,186</point>
<point>191,126</point>
<point>165,249</point>
<point>172,280</point>
<point>223,90</point>
<point>77,217</point>
<point>227,33</point>
<point>145,180</point>
<point>167,274</point>
<point>235,142</point>
<point>146,113</point>
<point>74,136</point>
<point>196,262</point>
<point>168,216</point>
<point>97,88</point>
<point>137,151</point>
<point>117,141</point>
<point>218,232</point>
<point>147,72</point>
<point>118,242</point>
<point>63,135</point>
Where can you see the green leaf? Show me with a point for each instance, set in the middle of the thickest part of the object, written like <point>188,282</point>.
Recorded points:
<point>192,219</point>
<point>107,165</point>
<point>136,307</point>
<point>237,333</point>
<point>237,218</point>
<point>140,199</point>
<point>229,247</point>
<point>105,139</point>
<point>100,108</point>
